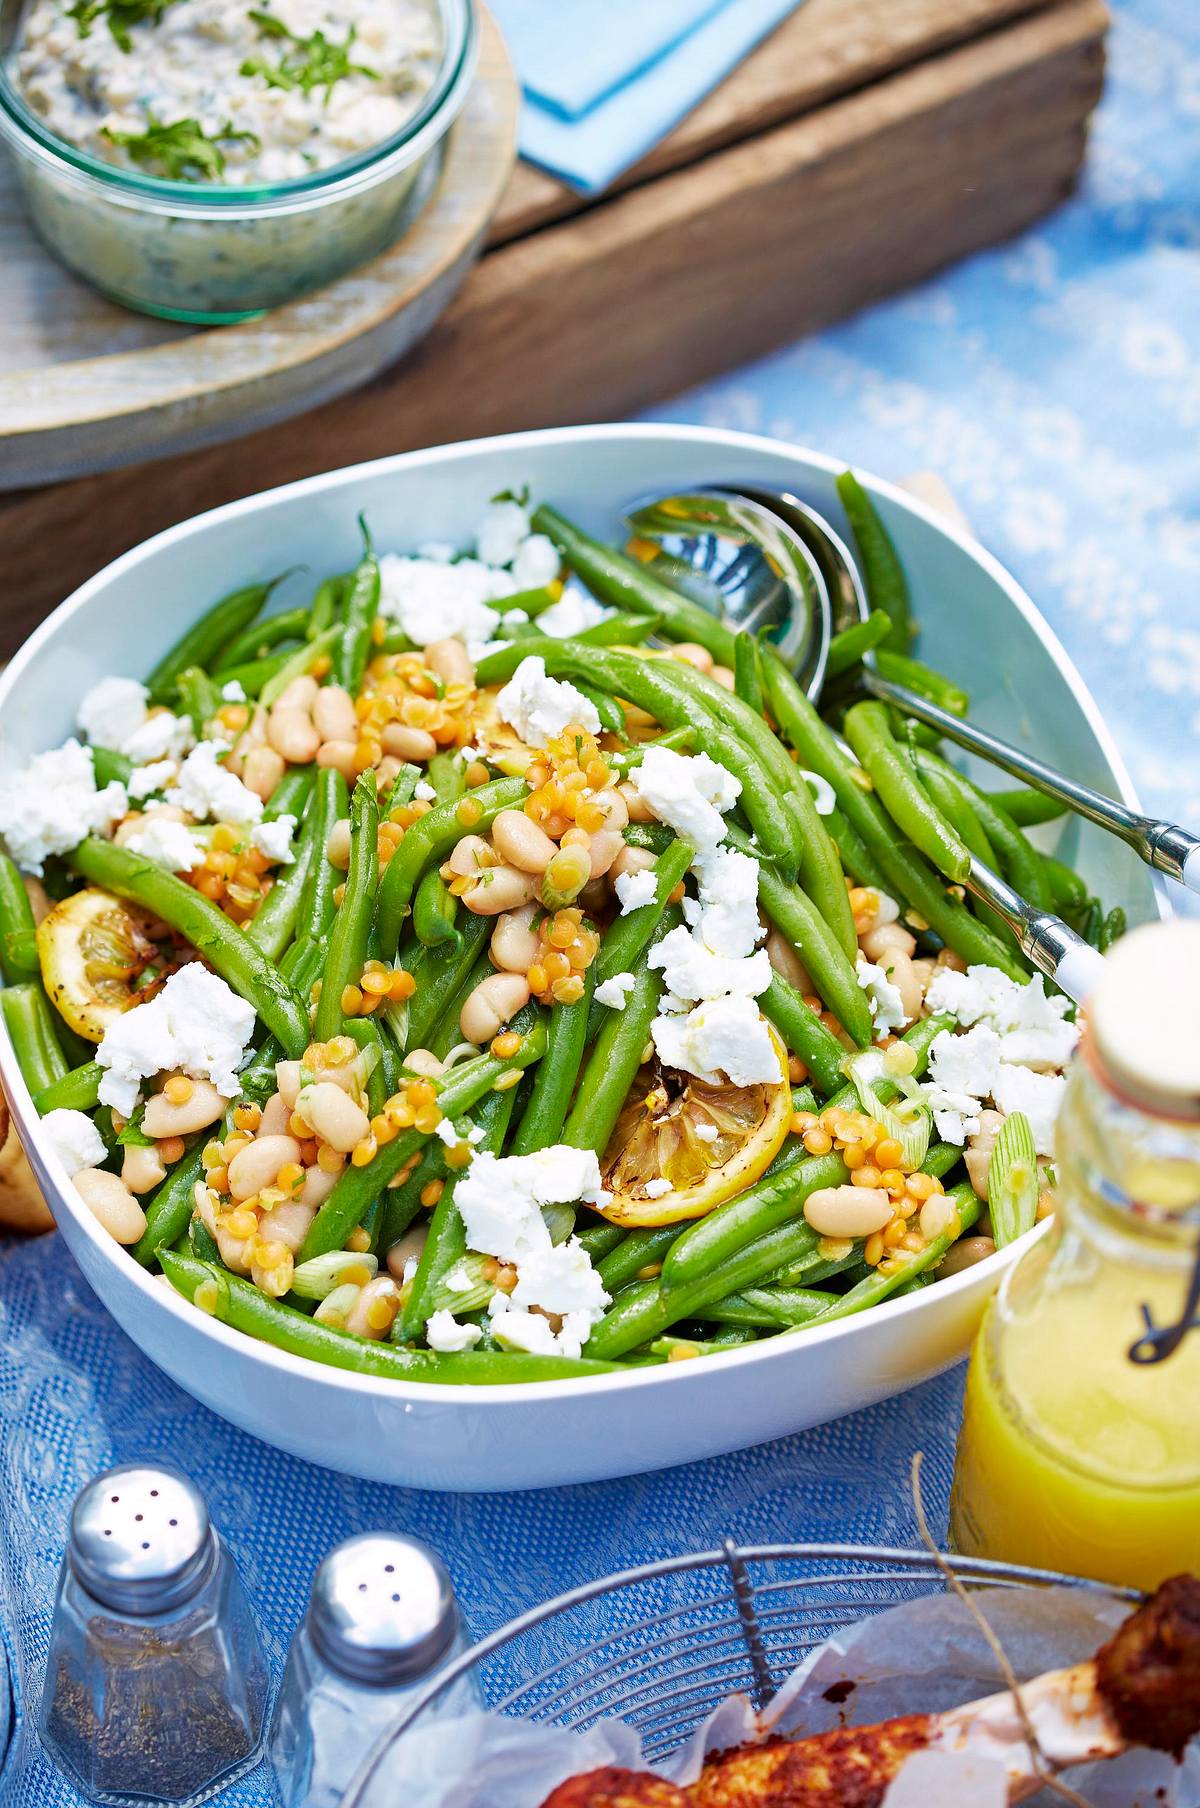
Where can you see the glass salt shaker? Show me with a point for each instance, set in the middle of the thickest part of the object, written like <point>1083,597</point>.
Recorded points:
<point>381,1619</point>
<point>156,1685</point>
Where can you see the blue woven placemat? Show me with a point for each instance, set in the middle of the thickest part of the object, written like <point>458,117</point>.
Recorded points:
<point>1055,383</point>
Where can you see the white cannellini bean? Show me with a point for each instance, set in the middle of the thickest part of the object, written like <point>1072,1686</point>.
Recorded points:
<point>341,755</point>
<point>937,1216</point>
<point>287,1078</point>
<point>335,1117</point>
<point>639,810</point>
<point>521,843</point>
<point>142,1168</point>
<point>451,662</point>
<point>262,770</point>
<point>471,854</point>
<point>290,1222</point>
<point>964,1254</point>
<point>337,848</point>
<point>603,848</point>
<point>978,1158</point>
<point>258,1164</point>
<point>277,1113</point>
<point>691,653</point>
<point>408,743</point>
<point>291,733</point>
<point>491,1005</point>
<point>317,1187</point>
<point>301,694</point>
<point>899,969</point>
<point>514,942</point>
<point>333,714</point>
<point>848,1211</point>
<point>372,1313</point>
<point>406,1249</point>
<point>111,1204</point>
<point>887,938</point>
<point>424,1061</point>
<point>500,888</point>
<point>202,1107</point>
<point>787,963</point>
<point>632,860</point>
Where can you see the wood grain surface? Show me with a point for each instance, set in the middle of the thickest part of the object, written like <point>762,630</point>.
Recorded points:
<point>774,232</point>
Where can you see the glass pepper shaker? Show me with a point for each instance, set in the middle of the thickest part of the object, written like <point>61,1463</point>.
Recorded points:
<point>382,1617</point>
<point>156,1684</point>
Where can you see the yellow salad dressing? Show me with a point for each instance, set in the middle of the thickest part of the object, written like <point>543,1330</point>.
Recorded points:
<point>1072,1456</point>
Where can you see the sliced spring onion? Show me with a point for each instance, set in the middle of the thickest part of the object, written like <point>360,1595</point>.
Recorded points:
<point>335,1307</point>
<point>1013,1184</point>
<point>909,1120</point>
<point>473,1290</point>
<point>317,1278</point>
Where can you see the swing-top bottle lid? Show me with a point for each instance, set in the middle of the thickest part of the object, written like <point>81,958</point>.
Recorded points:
<point>1144,1018</point>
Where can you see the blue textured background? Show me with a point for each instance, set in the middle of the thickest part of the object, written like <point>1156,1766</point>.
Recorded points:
<point>1055,384</point>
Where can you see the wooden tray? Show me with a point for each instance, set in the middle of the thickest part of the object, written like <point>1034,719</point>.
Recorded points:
<point>861,148</point>
<point>85,384</point>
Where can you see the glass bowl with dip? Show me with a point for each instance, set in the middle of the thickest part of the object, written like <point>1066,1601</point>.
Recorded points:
<point>204,160</point>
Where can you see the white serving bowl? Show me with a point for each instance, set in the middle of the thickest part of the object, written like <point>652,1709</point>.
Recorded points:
<point>978,626</point>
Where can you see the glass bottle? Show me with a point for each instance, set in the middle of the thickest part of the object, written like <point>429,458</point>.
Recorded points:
<point>1080,1443</point>
<point>382,1618</point>
<point>156,1683</point>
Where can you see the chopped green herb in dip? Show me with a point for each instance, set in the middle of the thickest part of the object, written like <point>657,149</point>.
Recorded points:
<point>221,91</point>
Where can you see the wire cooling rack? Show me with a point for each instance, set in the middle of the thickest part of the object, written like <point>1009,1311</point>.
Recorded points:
<point>661,1646</point>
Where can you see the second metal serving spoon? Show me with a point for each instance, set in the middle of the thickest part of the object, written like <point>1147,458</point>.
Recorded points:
<point>733,552</point>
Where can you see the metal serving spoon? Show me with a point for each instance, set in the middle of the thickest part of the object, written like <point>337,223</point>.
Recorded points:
<point>714,543</point>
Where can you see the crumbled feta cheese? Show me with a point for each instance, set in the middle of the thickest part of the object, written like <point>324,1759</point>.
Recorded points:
<point>560,1278</point>
<point>444,1334</point>
<point>527,1332</point>
<point>407,1273</point>
<point>167,843</point>
<point>693,972</point>
<point>207,791</point>
<point>197,1024</point>
<point>499,1198</point>
<point>143,781</point>
<point>887,1006</point>
<point>537,564</point>
<point>967,1062</point>
<point>161,736</point>
<point>1038,1095</point>
<point>234,691</point>
<point>705,1133</point>
<point>635,890</point>
<point>274,839</point>
<point>75,1140</point>
<point>500,533</point>
<point>445,1132</point>
<point>436,601</point>
<point>438,552</point>
<point>615,991</point>
<point>50,805</point>
<point>424,791</point>
<point>727,919</point>
<point>956,1115</point>
<point>539,707</point>
<point>572,614</point>
<point>722,1035</point>
<point>1033,1029</point>
<point>688,792</point>
<point>824,796</point>
<point>459,1280</point>
<point>112,711</point>
<point>657,1189</point>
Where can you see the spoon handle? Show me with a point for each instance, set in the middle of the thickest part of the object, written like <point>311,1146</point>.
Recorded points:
<point>1055,950</point>
<point>1160,844</point>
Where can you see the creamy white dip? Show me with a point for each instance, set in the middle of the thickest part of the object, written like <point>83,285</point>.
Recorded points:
<point>222,65</point>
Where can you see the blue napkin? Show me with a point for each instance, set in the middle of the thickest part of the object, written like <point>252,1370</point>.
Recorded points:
<point>604,80</point>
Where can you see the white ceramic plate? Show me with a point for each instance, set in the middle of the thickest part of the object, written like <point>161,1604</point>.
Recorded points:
<point>978,626</point>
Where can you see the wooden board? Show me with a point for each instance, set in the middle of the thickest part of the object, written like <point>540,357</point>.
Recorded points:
<point>952,124</point>
<point>85,384</point>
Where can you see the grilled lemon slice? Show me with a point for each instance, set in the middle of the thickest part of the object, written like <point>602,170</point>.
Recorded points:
<point>93,951</point>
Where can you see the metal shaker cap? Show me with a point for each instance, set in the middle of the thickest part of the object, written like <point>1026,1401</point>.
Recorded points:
<point>141,1542</point>
<point>383,1609</point>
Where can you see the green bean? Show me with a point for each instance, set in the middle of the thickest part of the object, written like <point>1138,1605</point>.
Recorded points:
<point>286,667</point>
<point>637,1249</point>
<point>446,1244</point>
<point>616,1056</point>
<point>78,1090</point>
<point>365,1031</point>
<point>108,765</point>
<point>327,604</point>
<point>331,802</point>
<point>274,923</point>
<point>434,909</point>
<point>1019,859</point>
<point>957,809</point>
<point>18,930</point>
<point>256,641</point>
<point>599,1237</point>
<point>612,716</point>
<point>678,740</point>
<point>726,1337</point>
<point>771,1308</point>
<point>238,1303</point>
<point>462,1088</point>
<point>804,1033</point>
<point>171,1205</point>
<point>199,698</point>
<point>290,796</point>
<point>1111,929</point>
<point>747,682</point>
<point>856,860</point>
<point>627,937</point>
<point>258,675</point>
<point>554,1079</point>
<point>796,917</point>
<point>447,1033</point>
<point>532,602</point>
<point>622,582</point>
<point>226,949</point>
<point>898,668</point>
<point>876,1287</point>
<point>199,645</point>
<point>402,1204</point>
<point>352,925</point>
<point>868,733</point>
<point>447,774</point>
<point>847,648</point>
<point>352,647</point>
<point>705,1245</point>
<point>428,839</point>
<point>1066,888</point>
<point>1028,808</point>
<point>883,574</point>
<point>30,1025</point>
<point>907,876</point>
<point>434,1001</point>
<point>400,791</point>
<point>621,630</point>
